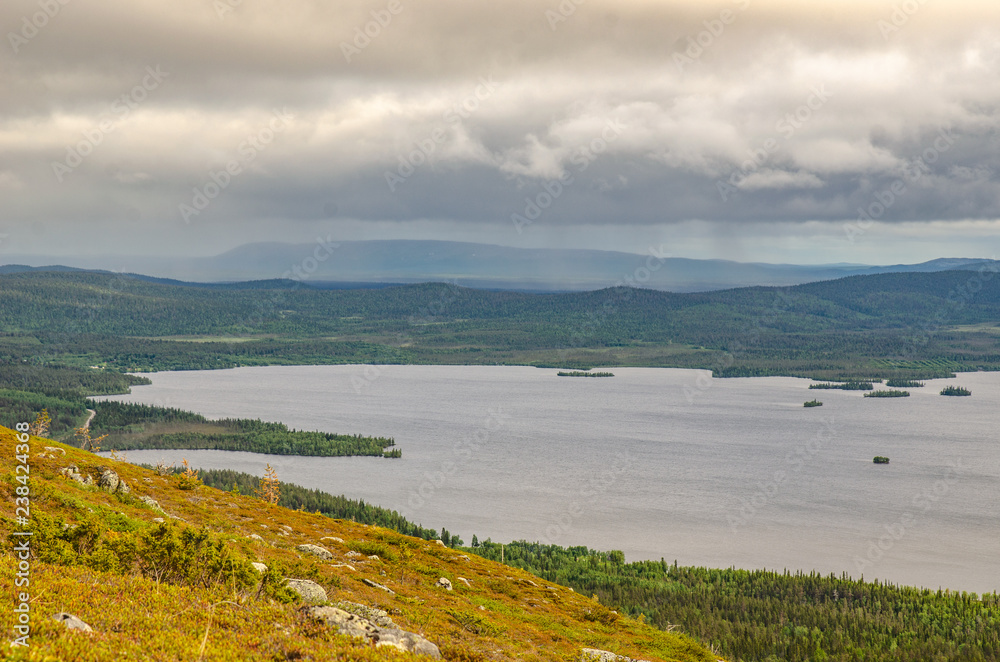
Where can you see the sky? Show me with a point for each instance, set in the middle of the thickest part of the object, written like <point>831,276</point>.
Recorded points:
<point>815,131</point>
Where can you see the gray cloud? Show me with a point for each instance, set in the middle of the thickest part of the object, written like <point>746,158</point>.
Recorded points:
<point>465,113</point>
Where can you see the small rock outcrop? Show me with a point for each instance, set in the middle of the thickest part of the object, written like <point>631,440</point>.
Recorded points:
<point>379,617</point>
<point>444,583</point>
<point>259,567</point>
<point>151,502</point>
<point>73,473</point>
<point>378,586</point>
<point>50,452</point>
<point>353,625</point>
<point>112,482</point>
<point>72,622</point>
<point>465,581</point>
<point>254,536</point>
<point>595,655</point>
<point>316,550</point>
<point>308,590</point>
<point>332,539</point>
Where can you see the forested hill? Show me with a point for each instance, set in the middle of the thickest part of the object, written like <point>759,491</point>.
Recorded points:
<point>878,314</point>
<point>128,305</point>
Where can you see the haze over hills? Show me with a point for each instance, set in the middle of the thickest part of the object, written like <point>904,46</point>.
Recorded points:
<point>476,265</point>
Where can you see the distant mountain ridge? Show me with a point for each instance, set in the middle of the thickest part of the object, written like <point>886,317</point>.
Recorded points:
<point>379,262</point>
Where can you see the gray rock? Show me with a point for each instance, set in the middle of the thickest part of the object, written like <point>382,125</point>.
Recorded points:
<point>356,626</point>
<point>159,520</point>
<point>109,481</point>
<point>316,550</point>
<point>354,555</point>
<point>254,536</point>
<point>72,622</point>
<point>151,502</point>
<point>444,583</point>
<point>595,655</point>
<point>309,590</point>
<point>259,567</point>
<point>344,565</point>
<point>73,473</point>
<point>112,482</point>
<point>379,617</point>
<point>440,542</point>
<point>332,539</point>
<point>378,586</point>
<point>465,581</point>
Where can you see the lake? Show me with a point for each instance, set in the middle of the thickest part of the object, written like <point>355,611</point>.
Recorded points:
<point>655,462</point>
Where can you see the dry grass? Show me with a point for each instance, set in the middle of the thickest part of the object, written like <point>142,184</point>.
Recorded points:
<point>501,616</point>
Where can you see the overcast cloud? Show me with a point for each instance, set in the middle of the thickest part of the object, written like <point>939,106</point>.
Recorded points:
<point>749,129</point>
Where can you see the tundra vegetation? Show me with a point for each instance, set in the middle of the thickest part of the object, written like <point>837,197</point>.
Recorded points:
<point>166,573</point>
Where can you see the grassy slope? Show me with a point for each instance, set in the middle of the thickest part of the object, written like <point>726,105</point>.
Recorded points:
<point>134,618</point>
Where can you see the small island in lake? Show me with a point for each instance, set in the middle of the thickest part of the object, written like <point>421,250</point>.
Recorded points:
<point>813,403</point>
<point>580,373</point>
<point>881,459</point>
<point>904,383</point>
<point>888,394</point>
<point>955,390</point>
<point>845,386</point>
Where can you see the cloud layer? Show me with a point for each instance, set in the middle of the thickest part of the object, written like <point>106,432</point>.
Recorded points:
<point>146,118</point>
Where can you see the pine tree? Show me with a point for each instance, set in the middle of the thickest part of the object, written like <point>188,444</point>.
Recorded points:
<point>40,428</point>
<point>270,487</point>
<point>86,442</point>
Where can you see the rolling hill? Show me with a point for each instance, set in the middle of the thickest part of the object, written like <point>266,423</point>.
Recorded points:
<point>483,266</point>
<point>931,322</point>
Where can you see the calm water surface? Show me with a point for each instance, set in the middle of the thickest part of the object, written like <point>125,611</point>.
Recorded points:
<point>655,462</point>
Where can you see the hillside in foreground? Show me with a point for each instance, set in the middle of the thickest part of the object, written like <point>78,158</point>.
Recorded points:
<point>161,570</point>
